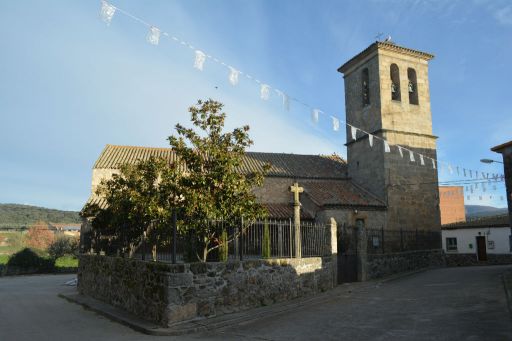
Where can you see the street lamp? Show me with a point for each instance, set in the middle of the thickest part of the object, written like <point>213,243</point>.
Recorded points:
<point>489,161</point>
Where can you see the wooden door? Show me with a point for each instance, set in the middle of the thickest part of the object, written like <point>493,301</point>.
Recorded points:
<point>481,249</point>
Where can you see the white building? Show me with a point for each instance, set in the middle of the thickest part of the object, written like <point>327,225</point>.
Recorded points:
<point>480,237</point>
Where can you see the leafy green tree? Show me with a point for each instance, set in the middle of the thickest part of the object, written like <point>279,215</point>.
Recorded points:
<point>204,184</point>
<point>213,186</point>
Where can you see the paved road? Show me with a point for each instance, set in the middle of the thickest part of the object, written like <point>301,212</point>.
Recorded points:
<point>443,304</point>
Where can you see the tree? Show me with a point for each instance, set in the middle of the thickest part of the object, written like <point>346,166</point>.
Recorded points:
<point>213,186</point>
<point>204,184</point>
<point>62,246</point>
<point>39,236</point>
<point>137,207</point>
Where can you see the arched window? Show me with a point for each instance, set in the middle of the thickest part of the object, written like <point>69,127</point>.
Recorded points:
<point>412,86</point>
<point>395,82</point>
<point>365,82</point>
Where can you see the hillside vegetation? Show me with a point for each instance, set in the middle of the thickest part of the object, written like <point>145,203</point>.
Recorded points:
<point>478,211</point>
<point>15,215</point>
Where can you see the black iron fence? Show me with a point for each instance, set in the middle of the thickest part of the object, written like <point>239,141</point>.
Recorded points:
<point>257,239</point>
<point>380,240</point>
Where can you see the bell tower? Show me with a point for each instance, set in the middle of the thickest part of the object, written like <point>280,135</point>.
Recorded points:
<point>387,95</point>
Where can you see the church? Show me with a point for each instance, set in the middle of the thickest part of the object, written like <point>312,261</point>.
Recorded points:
<point>386,95</point>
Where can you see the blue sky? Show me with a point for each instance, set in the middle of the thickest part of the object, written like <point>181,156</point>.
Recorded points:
<point>69,84</point>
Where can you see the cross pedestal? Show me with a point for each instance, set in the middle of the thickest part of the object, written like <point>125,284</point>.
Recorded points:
<point>296,190</point>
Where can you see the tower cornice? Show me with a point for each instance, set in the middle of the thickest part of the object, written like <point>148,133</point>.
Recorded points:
<point>373,49</point>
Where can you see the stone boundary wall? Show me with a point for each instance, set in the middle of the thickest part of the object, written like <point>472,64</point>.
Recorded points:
<point>469,259</point>
<point>169,293</point>
<point>381,265</point>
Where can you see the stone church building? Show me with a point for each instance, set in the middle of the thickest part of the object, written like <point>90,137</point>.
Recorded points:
<point>386,95</point>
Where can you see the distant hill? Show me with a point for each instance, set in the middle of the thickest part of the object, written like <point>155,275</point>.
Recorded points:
<point>15,215</point>
<point>476,211</point>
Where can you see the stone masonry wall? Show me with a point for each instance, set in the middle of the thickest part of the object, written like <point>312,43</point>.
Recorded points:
<point>167,293</point>
<point>469,259</point>
<point>381,265</point>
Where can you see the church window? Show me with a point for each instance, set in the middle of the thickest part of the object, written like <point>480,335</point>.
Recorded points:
<point>412,86</point>
<point>395,82</point>
<point>366,87</point>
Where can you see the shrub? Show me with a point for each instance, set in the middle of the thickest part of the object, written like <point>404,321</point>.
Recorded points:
<point>63,246</point>
<point>29,259</point>
<point>39,236</point>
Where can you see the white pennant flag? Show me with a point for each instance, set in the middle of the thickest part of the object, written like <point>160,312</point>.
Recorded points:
<point>153,36</point>
<point>315,113</point>
<point>233,75</point>
<point>353,132</point>
<point>450,169</point>
<point>386,147</point>
<point>468,197</point>
<point>107,12</point>
<point>335,123</point>
<point>199,61</point>
<point>476,174</point>
<point>264,92</point>
<point>458,172</point>
<point>401,152</point>
<point>286,100</point>
<point>370,139</point>
<point>421,160</point>
<point>411,156</point>
<point>433,164</point>
<point>470,173</point>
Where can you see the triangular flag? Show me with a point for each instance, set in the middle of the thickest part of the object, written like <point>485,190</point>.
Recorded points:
<point>264,92</point>
<point>370,139</point>
<point>107,12</point>
<point>335,123</point>
<point>199,61</point>
<point>401,152</point>
<point>386,146</point>
<point>353,132</point>
<point>470,173</point>
<point>233,75</point>
<point>286,100</point>
<point>468,197</point>
<point>315,113</point>
<point>411,156</point>
<point>458,173</point>
<point>421,160</point>
<point>450,169</point>
<point>153,35</point>
<point>464,169</point>
<point>476,174</point>
<point>433,164</point>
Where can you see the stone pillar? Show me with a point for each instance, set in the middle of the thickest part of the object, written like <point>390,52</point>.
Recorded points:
<point>296,190</point>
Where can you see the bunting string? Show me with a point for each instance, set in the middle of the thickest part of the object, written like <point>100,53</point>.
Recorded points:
<point>108,11</point>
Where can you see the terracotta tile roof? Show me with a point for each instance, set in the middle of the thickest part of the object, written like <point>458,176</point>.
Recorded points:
<point>502,146</point>
<point>339,193</point>
<point>282,165</point>
<point>494,221</point>
<point>284,211</point>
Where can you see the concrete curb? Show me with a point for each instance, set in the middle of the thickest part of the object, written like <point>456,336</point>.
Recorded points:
<point>203,324</point>
<point>214,323</point>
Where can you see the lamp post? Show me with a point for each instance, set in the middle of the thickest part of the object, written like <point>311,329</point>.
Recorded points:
<point>490,161</point>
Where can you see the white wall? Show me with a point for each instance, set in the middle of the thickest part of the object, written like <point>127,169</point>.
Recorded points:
<point>467,236</point>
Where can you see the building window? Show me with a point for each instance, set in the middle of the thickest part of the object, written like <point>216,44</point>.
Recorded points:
<point>412,86</point>
<point>365,82</point>
<point>451,244</point>
<point>395,82</point>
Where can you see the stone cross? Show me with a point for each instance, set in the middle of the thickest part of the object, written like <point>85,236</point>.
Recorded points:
<point>296,190</point>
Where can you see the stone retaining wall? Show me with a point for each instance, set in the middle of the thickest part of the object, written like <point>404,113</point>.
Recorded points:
<point>381,265</point>
<point>468,259</point>
<point>167,293</point>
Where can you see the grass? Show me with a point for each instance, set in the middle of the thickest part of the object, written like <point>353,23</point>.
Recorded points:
<point>4,259</point>
<point>66,262</point>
